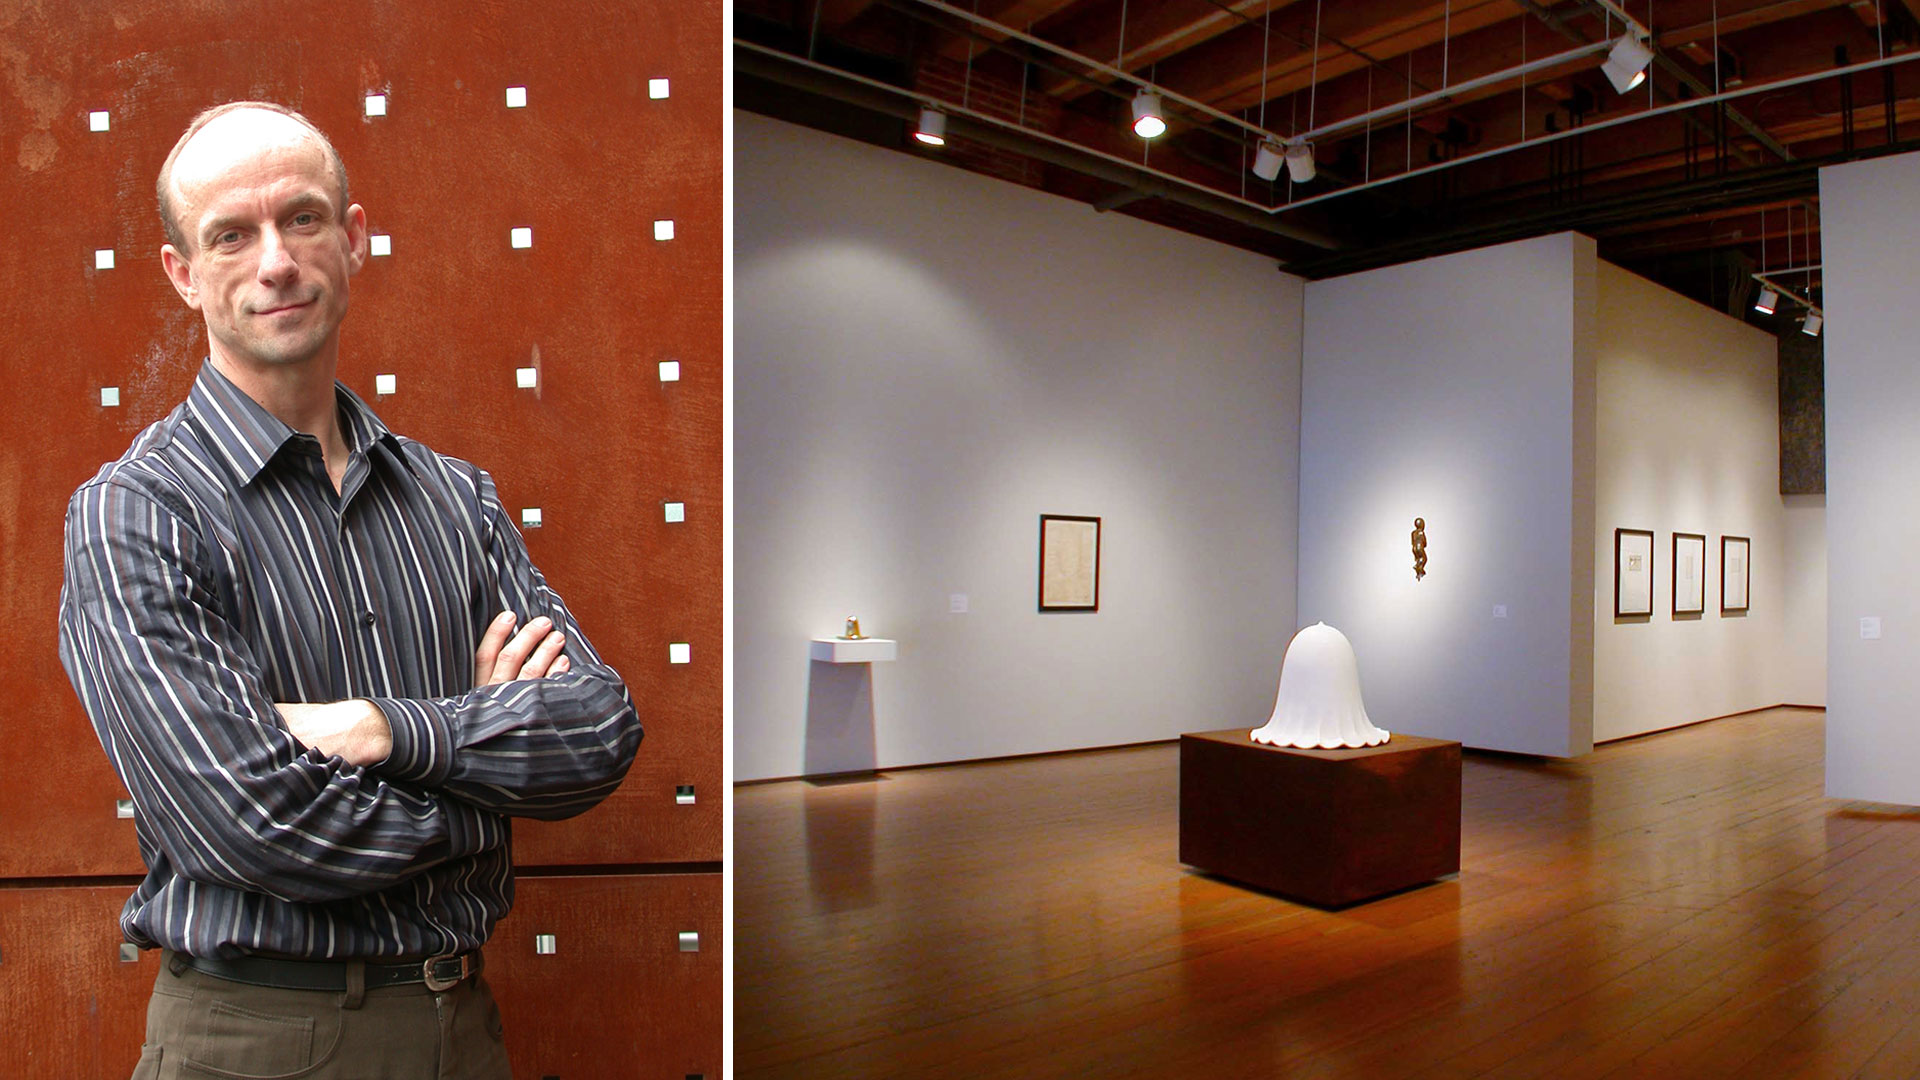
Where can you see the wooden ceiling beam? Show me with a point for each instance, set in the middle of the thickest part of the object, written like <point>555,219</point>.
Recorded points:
<point>1018,14</point>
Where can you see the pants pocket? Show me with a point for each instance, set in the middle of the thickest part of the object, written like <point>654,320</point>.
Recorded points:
<point>246,1043</point>
<point>149,1066</point>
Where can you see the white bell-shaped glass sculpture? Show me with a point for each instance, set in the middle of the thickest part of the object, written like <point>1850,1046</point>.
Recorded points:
<point>1319,706</point>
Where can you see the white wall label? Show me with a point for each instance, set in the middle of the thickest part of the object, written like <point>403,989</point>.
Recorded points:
<point>957,603</point>
<point>1870,628</point>
<point>1499,611</point>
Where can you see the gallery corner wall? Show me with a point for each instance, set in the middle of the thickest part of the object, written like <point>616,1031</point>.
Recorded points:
<point>1688,422</point>
<point>1870,247</point>
<point>1458,390</point>
<point>926,361</point>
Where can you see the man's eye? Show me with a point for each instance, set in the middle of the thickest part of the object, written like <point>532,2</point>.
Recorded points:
<point>306,218</point>
<point>229,237</point>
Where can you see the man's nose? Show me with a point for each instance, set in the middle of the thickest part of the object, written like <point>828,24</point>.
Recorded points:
<point>277,266</point>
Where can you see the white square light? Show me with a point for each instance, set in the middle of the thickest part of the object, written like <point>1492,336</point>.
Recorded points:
<point>516,97</point>
<point>526,378</point>
<point>376,104</point>
<point>689,941</point>
<point>530,518</point>
<point>523,237</point>
<point>669,371</point>
<point>380,244</point>
<point>545,945</point>
<point>663,230</point>
<point>676,512</point>
<point>384,384</point>
<point>103,259</point>
<point>679,652</point>
<point>656,88</point>
<point>109,396</point>
<point>97,120</point>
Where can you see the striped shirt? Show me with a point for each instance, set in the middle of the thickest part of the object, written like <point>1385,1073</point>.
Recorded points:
<point>213,571</point>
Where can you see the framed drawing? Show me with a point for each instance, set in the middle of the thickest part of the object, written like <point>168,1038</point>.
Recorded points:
<point>1632,572</point>
<point>1735,568</point>
<point>1689,573</point>
<point>1069,563</point>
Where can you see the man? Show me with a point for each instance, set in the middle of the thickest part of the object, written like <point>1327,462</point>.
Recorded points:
<point>295,634</point>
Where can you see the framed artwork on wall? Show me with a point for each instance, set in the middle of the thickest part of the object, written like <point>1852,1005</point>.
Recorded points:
<point>1689,573</point>
<point>1736,567</point>
<point>1632,573</point>
<point>1069,563</point>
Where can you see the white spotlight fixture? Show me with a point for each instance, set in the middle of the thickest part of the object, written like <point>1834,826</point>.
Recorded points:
<point>1767,302</point>
<point>1147,121</point>
<point>1267,160</point>
<point>1626,65</point>
<point>933,127</point>
<point>1300,162</point>
<point>1811,327</point>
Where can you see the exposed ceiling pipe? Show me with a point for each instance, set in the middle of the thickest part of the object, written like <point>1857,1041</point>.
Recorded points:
<point>1602,125</point>
<point>1400,108</point>
<point>1671,67</point>
<point>887,99</point>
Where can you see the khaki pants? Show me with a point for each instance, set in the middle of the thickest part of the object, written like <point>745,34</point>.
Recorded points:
<point>199,1026</point>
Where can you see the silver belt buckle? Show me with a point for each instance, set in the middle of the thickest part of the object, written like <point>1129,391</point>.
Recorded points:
<point>445,972</point>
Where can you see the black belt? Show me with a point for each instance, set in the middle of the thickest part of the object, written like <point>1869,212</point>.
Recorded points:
<point>438,973</point>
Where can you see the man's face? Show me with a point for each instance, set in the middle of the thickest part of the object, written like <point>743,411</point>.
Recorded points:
<point>271,251</point>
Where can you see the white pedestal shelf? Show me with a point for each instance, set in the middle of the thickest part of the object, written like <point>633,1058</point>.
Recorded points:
<point>864,651</point>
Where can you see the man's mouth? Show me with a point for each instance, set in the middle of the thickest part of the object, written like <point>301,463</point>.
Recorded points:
<point>283,307</point>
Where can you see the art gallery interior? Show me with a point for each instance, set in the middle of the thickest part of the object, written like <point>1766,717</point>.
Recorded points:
<point>1686,837</point>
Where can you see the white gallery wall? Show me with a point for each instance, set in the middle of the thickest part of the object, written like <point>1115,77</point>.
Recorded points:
<point>1870,248</point>
<point>1803,676</point>
<point>926,361</point>
<point>1460,390</point>
<point>1688,441</point>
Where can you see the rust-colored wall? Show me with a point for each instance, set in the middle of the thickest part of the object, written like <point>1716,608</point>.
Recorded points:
<point>596,304</point>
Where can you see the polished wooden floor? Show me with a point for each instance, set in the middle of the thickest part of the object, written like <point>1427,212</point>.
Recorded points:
<point>1685,905</point>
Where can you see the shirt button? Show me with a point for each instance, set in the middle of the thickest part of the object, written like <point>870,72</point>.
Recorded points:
<point>366,619</point>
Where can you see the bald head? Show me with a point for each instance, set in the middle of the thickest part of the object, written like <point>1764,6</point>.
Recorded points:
<point>225,135</point>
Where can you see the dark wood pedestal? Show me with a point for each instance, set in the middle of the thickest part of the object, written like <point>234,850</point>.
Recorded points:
<point>1331,827</point>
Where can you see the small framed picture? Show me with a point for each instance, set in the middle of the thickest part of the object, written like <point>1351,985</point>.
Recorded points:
<point>1069,563</point>
<point>1632,573</point>
<point>1736,566</point>
<point>1689,573</point>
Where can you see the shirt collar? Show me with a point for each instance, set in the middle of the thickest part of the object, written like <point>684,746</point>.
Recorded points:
<point>248,436</point>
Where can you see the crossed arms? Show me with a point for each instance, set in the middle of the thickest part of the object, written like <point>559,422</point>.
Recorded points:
<point>317,802</point>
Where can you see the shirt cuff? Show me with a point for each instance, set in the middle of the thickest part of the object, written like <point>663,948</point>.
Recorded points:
<point>422,741</point>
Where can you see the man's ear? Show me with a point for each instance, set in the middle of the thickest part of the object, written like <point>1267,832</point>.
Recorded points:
<point>180,272</point>
<point>356,238</point>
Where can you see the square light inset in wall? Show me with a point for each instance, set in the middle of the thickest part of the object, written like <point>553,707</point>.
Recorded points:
<point>545,945</point>
<point>669,371</point>
<point>522,237</point>
<point>676,512</point>
<point>97,120</point>
<point>679,652</point>
<point>384,384</point>
<point>129,953</point>
<point>683,794</point>
<point>103,259</point>
<point>376,104</point>
<point>526,378</point>
<point>656,88</point>
<point>380,244</point>
<point>516,97</point>
<point>689,941</point>
<point>663,230</point>
<point>530,518</point>
<point>123,808</point>
<point>109,397</point>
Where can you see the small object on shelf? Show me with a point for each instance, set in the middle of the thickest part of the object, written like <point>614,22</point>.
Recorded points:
<point>1419,548</point>
<point>853,630</point>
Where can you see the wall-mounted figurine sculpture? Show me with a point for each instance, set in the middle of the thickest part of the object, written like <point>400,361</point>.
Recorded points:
<point>853,630</point>
<point>1319,707</point>
<point>1419,548</point>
